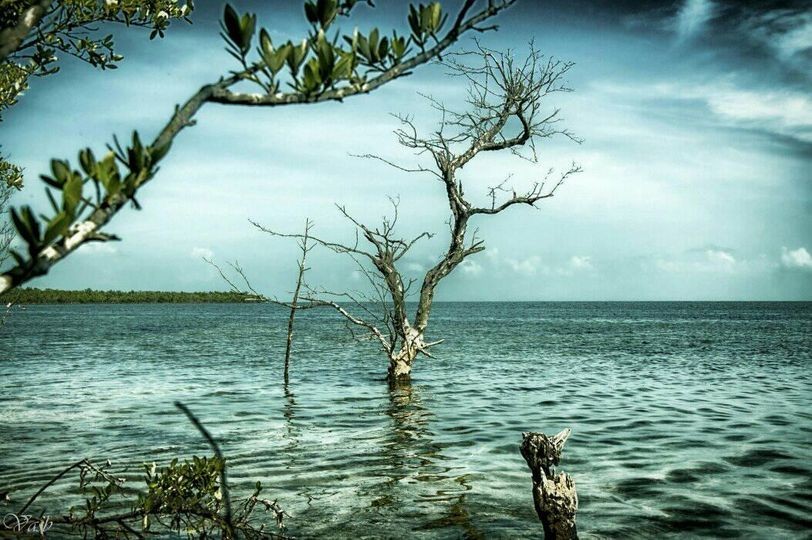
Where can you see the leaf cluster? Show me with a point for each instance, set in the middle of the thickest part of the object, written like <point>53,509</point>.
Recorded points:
<point>75,28</point>
<point>74,193</point>
<point>320,61</point>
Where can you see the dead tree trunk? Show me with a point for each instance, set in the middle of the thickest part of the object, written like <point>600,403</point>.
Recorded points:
<point>294,303</point>
<point>554,496</point>
<point>506,113</point>
<point>400,363</point>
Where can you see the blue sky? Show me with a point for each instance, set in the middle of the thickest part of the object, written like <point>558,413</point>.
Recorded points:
<point>696,117</point>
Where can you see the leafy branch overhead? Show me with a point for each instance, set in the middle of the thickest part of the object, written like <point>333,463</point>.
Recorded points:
<point>318,63</point>
<point>34,34</point>
<point>83,200</point>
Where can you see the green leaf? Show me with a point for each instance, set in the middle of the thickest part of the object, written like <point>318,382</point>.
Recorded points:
<point>343,68</point>
<point>312,78</point>
<point>311,12</point>
<point>414,24</point>
<point>23,228</point>
<point>277,59</point>
<point>297,56</point>
<point>60,169</point>
<point>383,48</point>
<point>72,194</point>
<point>88,161</point>
<point>363,47</point>
<point>248,25</point>
<point>57,226</point>
<point>435,13</point>
<point>51,181</point>
<point>231,24</point>
<point>327,10</point>
<point>265,43</point>
<point>373,41</point>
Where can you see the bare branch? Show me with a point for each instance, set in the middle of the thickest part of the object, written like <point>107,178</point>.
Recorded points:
<point>530,198</point>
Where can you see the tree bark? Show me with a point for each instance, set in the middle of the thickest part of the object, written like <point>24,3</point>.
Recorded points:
<point>400,364</point>
<point>554,495</point>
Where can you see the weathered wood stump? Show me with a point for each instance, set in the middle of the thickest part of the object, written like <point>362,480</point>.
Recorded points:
<point>554,496</point>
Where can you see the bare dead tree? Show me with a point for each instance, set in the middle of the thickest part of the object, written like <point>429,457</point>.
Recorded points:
<point>305,247</point>
<point>506,111</point>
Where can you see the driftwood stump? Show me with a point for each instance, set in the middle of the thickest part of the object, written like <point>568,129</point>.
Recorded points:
<point>553,496</point>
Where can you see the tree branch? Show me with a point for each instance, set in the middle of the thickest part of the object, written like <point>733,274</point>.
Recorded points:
<point>11,38</point>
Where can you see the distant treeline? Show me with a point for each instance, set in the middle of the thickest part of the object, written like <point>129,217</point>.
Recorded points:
<point>89,296</point>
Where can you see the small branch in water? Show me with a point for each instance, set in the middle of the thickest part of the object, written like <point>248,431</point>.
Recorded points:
<point>294,303</point>
<point>554,496</point>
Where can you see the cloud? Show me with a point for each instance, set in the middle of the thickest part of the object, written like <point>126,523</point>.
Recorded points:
<point>692,16</point>
<point>787,32</point>
<point>580,262</point>
<point>709,260</point>
<point>720,257</point>
<point>471,268</point>
<point>796,258</point>
<point>528,266</point>
<point>415,267</point>
<point>201,252</point>
<point>784,112</point>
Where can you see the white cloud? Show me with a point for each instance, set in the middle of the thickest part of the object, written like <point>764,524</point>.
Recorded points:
<point>691,17</point>
<point>528,266</point>
<point>471,268</point>
<point>415,267</point>
<point>796,258</point>
<point>709,260</point>
<point>796,40</point>
<point>581,262</point>
<point>785,31</point>
<point>201,252</point>
<point>785,112</point>
<point>720,257</point>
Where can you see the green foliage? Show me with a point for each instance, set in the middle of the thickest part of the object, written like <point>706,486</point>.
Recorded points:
<point>188,493</point>
<point>11,180</point>
<point>190,497</point>
<point>120,172</point>
<point>184,498</point>
<point>88,296</point>
<point>75,28</point>
<point>319,63</point>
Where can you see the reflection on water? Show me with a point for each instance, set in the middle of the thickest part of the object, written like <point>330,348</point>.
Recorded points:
<point>686,417</point>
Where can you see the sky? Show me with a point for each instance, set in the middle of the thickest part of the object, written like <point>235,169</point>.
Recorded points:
<point>695,115</point>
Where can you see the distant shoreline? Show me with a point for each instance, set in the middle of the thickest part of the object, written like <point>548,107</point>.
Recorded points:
<point>31,296</point>
<point>35,296</point>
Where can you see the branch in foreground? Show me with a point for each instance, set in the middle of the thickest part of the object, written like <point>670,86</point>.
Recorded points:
<point>190,497</point>
<point>330,74</point>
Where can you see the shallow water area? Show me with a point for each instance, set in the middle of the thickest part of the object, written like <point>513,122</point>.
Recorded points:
<point>690,419</point>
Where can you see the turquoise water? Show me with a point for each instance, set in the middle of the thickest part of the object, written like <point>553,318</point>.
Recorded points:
<point>688,419</point>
